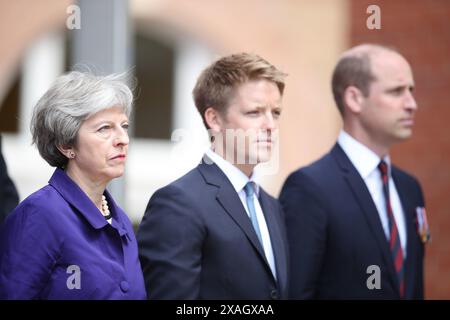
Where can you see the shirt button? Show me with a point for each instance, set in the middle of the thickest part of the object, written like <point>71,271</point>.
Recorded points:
<point>124,286</point>
<point>274,294</point>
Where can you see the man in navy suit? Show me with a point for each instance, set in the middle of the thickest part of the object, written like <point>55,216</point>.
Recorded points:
<point>214,233</point>
<point>8,194</point>
<point>356,223</point>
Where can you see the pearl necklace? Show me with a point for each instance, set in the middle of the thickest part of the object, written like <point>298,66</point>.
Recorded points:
<point>105,209</point>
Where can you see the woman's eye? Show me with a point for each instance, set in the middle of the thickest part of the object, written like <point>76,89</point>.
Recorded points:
<point>125,126</point>
<point>104,128</point>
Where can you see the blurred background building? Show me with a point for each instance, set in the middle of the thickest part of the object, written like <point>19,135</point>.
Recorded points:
<point>166,43</point>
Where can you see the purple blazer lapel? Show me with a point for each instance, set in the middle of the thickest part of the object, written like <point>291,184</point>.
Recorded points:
<point>70,191</point>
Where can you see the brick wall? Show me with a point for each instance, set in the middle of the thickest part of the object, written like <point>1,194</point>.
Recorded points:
<point>420,30</point>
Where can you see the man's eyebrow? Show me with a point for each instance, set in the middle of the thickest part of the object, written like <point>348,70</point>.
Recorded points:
<point>401,86</point>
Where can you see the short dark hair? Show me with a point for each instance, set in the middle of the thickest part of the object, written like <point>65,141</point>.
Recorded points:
<point>216,83</point>
<point>354,69</point>
<point>351,71</point>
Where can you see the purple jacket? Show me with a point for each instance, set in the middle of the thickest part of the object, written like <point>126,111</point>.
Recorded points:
<point>57,245</point>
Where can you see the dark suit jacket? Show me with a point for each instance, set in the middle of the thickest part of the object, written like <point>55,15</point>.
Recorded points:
<point>8,194</point>
<point>196,241</point>
<point>335,233</point>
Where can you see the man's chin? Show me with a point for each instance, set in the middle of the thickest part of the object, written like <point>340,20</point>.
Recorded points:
<point>255,158</point>
<point>264,157</point>
<point>404,134</point>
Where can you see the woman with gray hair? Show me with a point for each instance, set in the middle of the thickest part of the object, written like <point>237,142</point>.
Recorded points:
<point>69,240</point>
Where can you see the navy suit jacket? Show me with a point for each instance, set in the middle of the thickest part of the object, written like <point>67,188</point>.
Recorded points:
<point>8,194</point>
<point>196,241</point>
<point>335,233</point>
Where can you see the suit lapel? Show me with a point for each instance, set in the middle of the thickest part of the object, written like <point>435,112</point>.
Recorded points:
<point>276,238</point>
<point>231,203</point>
<point>409,214</point>
<point>365,201</point>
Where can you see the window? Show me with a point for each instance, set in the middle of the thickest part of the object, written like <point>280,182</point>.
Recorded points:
<point>154,94</point>
<point>9,108</point>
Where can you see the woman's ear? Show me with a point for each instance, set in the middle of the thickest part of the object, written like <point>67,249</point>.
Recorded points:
<point>67,151</point>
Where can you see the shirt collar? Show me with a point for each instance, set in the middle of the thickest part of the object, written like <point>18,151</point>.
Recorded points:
<point>73,194</point>
<point>364,159</point>
<point>237,178</point>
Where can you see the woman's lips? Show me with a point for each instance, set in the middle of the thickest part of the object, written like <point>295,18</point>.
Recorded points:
<point>119,156</point>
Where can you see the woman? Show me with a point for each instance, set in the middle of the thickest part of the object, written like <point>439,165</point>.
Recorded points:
<point>69,240</point>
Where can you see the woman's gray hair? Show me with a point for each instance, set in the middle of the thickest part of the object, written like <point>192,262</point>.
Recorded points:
<point>74,97</point>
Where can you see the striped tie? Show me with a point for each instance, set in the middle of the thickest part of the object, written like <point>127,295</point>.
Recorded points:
<point>394,239</point>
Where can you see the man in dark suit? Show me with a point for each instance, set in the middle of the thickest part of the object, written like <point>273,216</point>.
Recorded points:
<point>356,224</point>
<point>8,194</point>
<point>214,233</point>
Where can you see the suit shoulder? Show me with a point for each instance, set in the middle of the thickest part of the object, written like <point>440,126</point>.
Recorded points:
<point>315,171</point>
<point>40,211</point>
<point>186,185</point>
<point>46,202</point>
<point>188,191</point>
<point>181,202</point>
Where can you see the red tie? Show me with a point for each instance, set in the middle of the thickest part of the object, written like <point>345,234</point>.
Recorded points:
<point>394,239</point>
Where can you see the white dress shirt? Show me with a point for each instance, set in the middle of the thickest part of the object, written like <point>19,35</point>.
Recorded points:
<point>366,163</point>
<point>238,179</point>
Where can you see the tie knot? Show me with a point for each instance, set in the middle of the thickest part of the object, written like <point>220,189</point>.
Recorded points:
<point>249,188</point>
<point>383,167</point>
